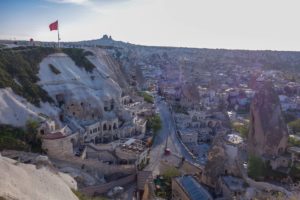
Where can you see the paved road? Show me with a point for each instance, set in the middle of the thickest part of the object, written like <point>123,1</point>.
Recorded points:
<point>129,193</point>
<point>173,143</point>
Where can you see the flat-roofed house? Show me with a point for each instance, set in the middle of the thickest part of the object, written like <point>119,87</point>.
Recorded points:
<point>188,188</point>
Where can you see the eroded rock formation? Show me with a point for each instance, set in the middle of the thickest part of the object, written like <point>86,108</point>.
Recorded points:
<point>30,182</point>
<point>268,133</point>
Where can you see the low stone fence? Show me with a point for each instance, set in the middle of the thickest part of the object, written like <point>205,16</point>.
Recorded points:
<point>106,169</point>
<point>103,188</point>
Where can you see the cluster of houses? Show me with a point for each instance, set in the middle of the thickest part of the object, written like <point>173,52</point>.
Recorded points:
<point>86,138</point>
<point>198,125</point>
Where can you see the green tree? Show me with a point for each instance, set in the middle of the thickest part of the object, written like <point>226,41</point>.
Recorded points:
<point>293,141</point>
<point>12,138</point>
<point>170,173</point>
<point>31,136</point>
<point>289,117</point>
<point>295,125</point>
<point>79,57</point>
<point>243,129</point>
<point>256,167</point>
<point>295,172</point>
<point>154,123</point>
<point>18,70</point>
<point>147,97</point>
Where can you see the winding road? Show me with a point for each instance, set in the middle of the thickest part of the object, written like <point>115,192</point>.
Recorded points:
<point>173,142</point>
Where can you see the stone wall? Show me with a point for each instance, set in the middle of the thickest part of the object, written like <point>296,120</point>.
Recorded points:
<point>61,146</point>
<point>103,188</point>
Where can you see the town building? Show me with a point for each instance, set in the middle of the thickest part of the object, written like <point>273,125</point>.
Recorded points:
<point>188,188</point>
<point>232,187</point>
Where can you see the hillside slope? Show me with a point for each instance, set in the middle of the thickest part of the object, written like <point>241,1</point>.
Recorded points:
<point>77,87</point>
<point>16,110</point>
<point>58,75</point>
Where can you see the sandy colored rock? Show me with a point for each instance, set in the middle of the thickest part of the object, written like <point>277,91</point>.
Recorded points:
<point>26,182</point>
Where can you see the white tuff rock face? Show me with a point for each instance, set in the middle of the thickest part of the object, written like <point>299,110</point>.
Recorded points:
<point>25,182</point>
<point>80,89</point>
<point>16,110</point>
<point>87,91</point>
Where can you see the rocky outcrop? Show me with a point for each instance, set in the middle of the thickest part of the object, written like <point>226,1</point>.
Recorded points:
<point>16,110</point>
<point>220,161</point>
<point>25,182</point>
<point>84,95</point>
<point>268,133</point>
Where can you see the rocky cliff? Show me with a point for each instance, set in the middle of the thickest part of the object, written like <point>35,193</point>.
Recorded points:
<point>268,133</point>
<point>85,94</point>
<point>26,182</point>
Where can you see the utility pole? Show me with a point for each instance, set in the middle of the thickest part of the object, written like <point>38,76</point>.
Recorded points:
<point>166,146</point>
<point>167,151</point>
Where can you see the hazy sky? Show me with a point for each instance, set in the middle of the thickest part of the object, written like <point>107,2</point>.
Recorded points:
<point>238,24</point>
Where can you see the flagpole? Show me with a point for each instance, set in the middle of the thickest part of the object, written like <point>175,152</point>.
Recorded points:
<point>58,35</point>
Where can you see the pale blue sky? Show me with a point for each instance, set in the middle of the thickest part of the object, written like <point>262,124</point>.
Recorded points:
<point>234,24</point>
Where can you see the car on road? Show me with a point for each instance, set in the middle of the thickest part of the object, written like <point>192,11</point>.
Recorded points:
<point>115,191</point>
<point>245,165</point>
<point>167,151</point>
<point>81,147</point>
<point>78,153</point>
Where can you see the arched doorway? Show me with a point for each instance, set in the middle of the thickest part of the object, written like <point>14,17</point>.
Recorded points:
<point>104,127</point>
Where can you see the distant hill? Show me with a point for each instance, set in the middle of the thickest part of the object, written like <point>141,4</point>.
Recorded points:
<point>267,59</point>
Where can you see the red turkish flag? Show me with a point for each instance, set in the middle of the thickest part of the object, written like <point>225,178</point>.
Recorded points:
<point>54,26</point>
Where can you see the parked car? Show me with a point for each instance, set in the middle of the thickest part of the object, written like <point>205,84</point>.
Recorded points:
<point>167,151</point>
<point>115,191</point>
<point>81,147</point>
<point>78,153</point>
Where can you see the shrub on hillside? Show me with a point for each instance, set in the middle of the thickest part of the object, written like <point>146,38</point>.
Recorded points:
<point>147,97</point>
<point>54,69</point>
<point>23,65</point>
<point>20,139</point>
<point>79,57</point>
